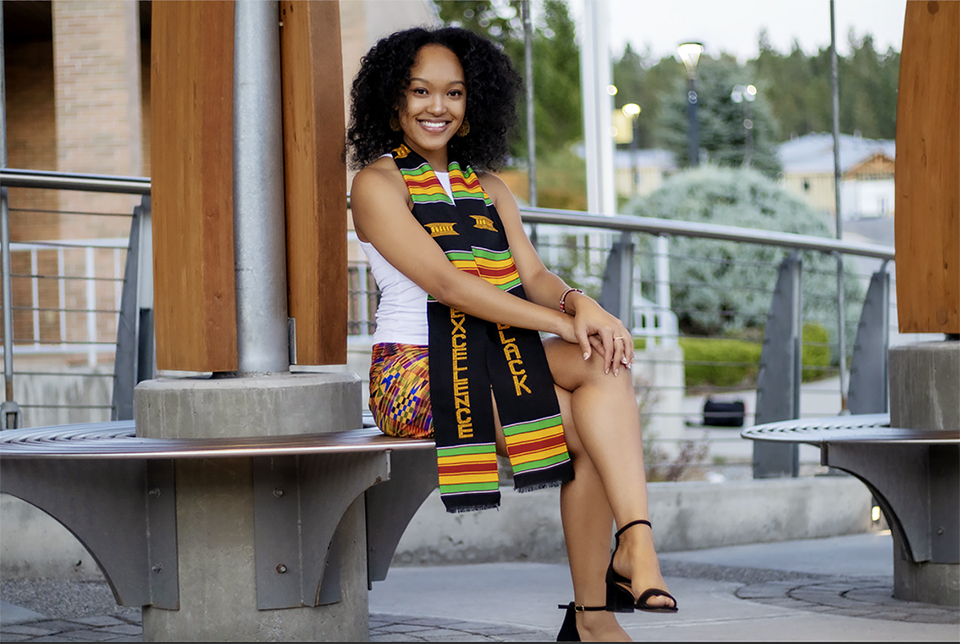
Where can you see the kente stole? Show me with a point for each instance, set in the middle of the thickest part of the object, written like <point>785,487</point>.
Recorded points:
<point>468,355</point>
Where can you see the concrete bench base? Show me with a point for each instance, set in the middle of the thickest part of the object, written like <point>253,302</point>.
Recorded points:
<point>225,517</point>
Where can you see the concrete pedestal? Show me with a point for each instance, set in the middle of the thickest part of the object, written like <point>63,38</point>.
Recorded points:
<point>221,583</point>
<point>925,394</point>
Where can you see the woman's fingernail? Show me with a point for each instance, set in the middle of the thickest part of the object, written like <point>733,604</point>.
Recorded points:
<point>586,356</point>
<point>616,372</point>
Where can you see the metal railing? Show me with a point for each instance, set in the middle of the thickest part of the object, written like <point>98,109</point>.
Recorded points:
<point>62,305</point>
<point>793,375</point>
<point>628,264</point>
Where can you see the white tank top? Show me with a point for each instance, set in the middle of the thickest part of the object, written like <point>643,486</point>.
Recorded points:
<point>402,312</point>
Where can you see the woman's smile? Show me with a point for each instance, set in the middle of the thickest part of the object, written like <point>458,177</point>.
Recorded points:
<point>433,126</point>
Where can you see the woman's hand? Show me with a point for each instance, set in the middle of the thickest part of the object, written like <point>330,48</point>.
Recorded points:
<point>596,331</point>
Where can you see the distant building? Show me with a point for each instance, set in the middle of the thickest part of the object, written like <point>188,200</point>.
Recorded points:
<point>866,174</point>
<point>640,172</point>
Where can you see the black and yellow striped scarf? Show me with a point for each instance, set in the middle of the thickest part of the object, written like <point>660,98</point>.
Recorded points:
<point>469,356</point>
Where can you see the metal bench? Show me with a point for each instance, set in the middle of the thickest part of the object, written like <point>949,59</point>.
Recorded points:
<point>914,476</point>
<point>115,492</point>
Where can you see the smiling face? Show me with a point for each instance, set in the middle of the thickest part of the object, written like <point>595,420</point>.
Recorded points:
<point>435,102</point>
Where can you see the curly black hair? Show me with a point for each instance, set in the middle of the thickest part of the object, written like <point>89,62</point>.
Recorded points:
<point>493,86</point>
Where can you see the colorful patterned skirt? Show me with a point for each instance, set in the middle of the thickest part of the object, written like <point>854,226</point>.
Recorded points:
<point>400,390</point>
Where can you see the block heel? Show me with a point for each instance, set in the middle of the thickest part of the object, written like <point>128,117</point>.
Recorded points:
<point>619,588</point>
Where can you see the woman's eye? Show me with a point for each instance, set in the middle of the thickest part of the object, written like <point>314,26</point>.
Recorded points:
<point>456,93</point>
<point>420,91</point>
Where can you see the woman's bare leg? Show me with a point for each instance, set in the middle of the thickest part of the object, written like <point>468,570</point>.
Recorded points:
<point>604,413</point>
<point>587,520</point>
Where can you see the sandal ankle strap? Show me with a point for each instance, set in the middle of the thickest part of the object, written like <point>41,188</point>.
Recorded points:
<point>631,524</point>
<point>581,609</point>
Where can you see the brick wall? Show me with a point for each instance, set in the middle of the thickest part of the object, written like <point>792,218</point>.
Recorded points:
<point>74,104</point>
<point>97,66</point>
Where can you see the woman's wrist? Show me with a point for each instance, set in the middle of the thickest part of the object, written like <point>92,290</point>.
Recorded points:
<point>565,300</point>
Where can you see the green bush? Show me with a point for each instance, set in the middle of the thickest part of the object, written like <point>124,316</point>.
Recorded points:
<point>722,362</point>
<point>721,288</point>
<point>816,352</point>
<point>698,354</point>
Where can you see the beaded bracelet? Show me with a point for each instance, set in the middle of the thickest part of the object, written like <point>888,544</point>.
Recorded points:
<point>563,298</point>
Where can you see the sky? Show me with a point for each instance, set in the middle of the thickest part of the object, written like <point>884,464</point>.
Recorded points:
<point>734,25</point>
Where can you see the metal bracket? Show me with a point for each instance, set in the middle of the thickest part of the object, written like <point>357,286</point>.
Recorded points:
<point>10,415</point>
<point>392,504</point>
<point>917,487</point>
<point>298,502</point>
<point>99,500</point>
<point>778,382</point>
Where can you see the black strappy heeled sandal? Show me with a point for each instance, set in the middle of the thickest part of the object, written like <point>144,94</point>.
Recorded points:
<point>568,630</point>
<point>619,593</point>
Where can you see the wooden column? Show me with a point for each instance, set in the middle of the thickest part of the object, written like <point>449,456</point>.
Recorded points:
<point>315,179</point>
<point>927,225</point>
<point>192,167</point>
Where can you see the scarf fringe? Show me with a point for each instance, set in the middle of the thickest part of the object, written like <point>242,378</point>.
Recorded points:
<point>472,508</point>
<point>540,485</point>
<point>554,476</point>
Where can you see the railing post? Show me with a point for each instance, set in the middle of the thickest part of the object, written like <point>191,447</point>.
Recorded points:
<point>90,273</point>
<point>134,358</point>
<point>869,376</point>
<point>669,331</point>
<point>10,416</point>
<point>616,293</point>
<point>146,342</point>
<point>35,296</point>
<point>778,383</point>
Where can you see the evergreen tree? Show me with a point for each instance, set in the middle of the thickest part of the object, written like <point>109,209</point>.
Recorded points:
<point>731,134</point>
<point>799,89</point>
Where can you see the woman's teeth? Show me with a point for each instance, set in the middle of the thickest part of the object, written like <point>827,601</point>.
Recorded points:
<point>433,125</point>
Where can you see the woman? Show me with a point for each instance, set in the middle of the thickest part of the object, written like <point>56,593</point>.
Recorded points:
<point>431,109</point>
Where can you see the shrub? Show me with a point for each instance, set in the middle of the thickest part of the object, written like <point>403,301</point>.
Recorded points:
<point>722,362</point>
<point>816,352</point>
<point>723,288</point>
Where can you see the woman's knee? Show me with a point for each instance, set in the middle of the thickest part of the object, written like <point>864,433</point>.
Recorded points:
<point>571,371</point>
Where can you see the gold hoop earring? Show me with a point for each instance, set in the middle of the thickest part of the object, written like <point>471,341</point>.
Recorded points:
<point>394,123</point>
<point>464,128</point>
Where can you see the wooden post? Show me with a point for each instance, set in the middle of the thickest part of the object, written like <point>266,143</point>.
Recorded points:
<point>192,165</point>
<point>927,224</point>
<point>315,179</point>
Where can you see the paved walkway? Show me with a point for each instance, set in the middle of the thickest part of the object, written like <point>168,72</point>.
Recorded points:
<point>837,589</point>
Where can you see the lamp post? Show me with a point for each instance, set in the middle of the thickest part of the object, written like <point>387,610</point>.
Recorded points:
<point>745,94</point>
<point>632,112</point>
<point>690,55</point>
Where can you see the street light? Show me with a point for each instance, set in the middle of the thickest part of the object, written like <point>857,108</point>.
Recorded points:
<point>745,94</point>
<point>632,111</point>
<point>690,55</point>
